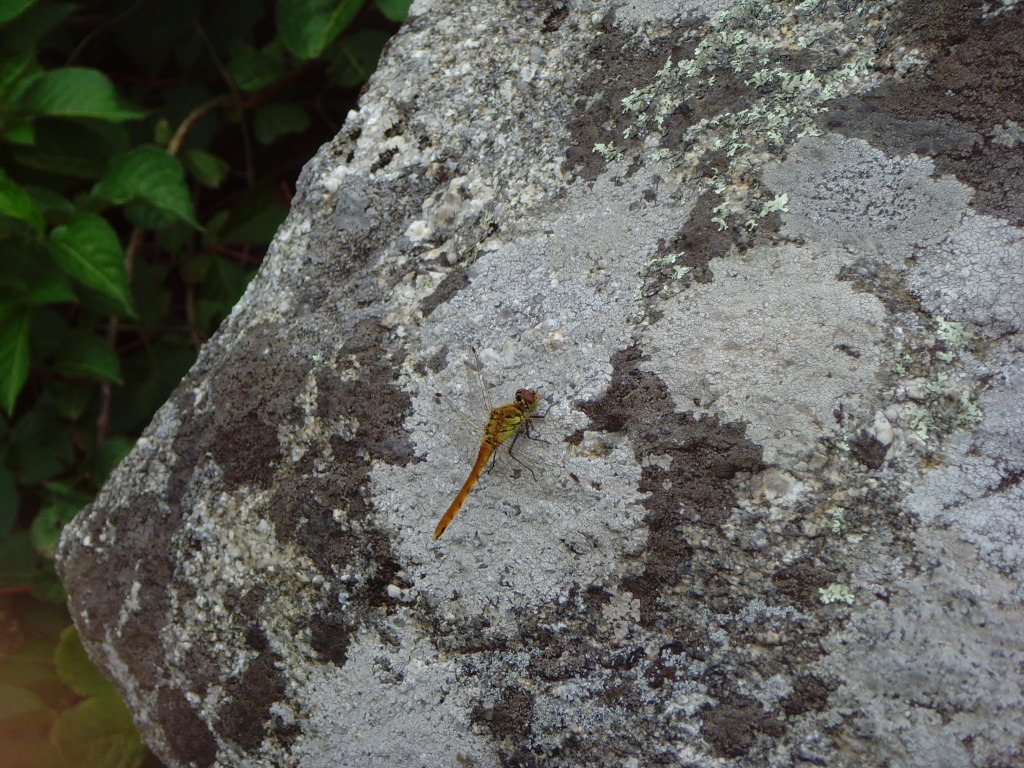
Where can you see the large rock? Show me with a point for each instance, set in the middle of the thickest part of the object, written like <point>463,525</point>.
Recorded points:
<point>765,263</point>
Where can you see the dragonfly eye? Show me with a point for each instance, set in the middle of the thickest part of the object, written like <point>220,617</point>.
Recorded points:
<point>527,397</point>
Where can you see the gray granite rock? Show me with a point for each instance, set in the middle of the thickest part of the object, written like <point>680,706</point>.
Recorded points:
<point>763,263</point>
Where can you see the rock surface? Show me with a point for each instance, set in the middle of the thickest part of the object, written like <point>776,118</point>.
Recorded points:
<point>765,264</point>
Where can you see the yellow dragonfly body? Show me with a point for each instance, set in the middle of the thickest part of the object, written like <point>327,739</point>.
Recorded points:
<point>504,422</point>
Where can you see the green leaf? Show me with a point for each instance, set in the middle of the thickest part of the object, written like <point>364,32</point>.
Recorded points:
<point>24,33</point>
<point>41,444</point>
<point>9,501</point>
<point>149,174</point>
<point>88,249</point>
<point>16,72</point>
<point>48,330</point>
<point>16,701</point>
<point>72,397</point>
<point>85,355</point>
<point>17,560</point>
<point>152,295</point>
<point>109,454</point>
<point>25,722</point>
<point>47,587</point>
<point>75,668</point>
<point>175,237</point>
<point>156,34</point>
<point>15,320</point>
<point>19,132</point>
<point>53,205</point>
<point>274,120</point>
<point>72,148</point>
<point>51,288</point>
<point>255,217</point>
<point>45,530</point>
<point>394,10</point>
<point>11,8</point>
<point>151,374</point>
<point>253,70</point>
<point>30,275</point>
<point>307,27</point>
<point>207,168</point>
<point>145,216</point>
<point>16,203</point>
<point>354,57</point>
<point>98,733</point>
<point>78,92</point>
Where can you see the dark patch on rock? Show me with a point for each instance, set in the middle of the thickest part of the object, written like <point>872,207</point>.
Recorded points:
<point>349,217</point>
<point>1009,479</point>
<point>303,511</point>
<point>884,283</point>
<point>620,65</point>
<point>437,362</point>
<point>466,636</point>
<point>701,240</point>
<point>452,283</point>
<point>248,699</point>
<point>510,716</point>
<point>732,726</point>
<point>555,18</point>
<point>560,661</point>
<point>329,635</point>
<point>383,159</point>
<point>595,597</point>
<point>188,737</point>
<point>698,242</point>
<point>304,503</point>
<point>119,569</point>
<point>799,582</point>
<point>810,694</point>
<point>248,451</point>
<point>703,456</point>
<point>139,644</point>
<point>253,390</point>
<point>953,108</point>
<point>867,450</point>
<point>375,403</point>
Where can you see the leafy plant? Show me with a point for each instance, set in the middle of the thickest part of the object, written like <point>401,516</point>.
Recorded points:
<point>147,151</point>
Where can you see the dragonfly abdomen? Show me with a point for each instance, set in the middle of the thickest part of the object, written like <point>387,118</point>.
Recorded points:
<point>503,422</point>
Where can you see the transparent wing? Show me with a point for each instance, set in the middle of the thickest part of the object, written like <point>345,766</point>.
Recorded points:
<point>535,453</point>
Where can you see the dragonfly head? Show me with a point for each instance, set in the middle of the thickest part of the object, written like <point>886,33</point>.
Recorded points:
<point>527,400</point>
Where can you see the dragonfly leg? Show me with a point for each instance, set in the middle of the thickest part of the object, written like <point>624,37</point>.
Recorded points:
<point>526,431</point>
<point>490,466</point>
<point>512,445</point>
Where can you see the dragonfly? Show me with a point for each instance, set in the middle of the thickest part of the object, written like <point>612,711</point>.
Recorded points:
<point>504,422</point>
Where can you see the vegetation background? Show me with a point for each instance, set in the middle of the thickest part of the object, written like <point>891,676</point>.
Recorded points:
<point>148,153</point>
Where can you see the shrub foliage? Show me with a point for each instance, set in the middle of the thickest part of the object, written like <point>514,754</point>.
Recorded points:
<point>148,149</point>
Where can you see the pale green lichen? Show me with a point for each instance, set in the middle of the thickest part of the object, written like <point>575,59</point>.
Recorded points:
<point>838,516</point>
<point>942,408</point>
<point>920,420</point>
<point>779,204</point>
<point>953,336</point>
<point>609,152</point>
<point>836,593</point>
<point>754,37</point>
<point>659,276</point>
<point>667,266</point>
<point>968,414</point>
